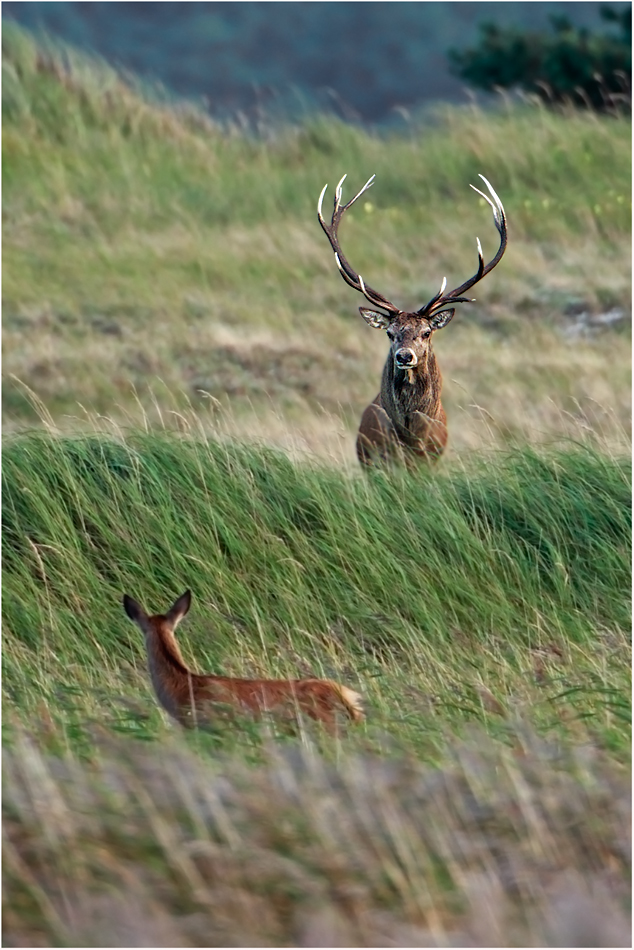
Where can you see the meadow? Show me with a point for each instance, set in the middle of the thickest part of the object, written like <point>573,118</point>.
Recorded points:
<point>151,256</point>
<point>183,375</point>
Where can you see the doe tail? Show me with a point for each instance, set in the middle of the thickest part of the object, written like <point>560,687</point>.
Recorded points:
<point>352,701</point>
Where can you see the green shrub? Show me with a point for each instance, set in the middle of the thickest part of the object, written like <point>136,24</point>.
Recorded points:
<point>569,65</point>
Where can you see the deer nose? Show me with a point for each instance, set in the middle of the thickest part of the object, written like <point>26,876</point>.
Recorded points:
<point>406,357</point>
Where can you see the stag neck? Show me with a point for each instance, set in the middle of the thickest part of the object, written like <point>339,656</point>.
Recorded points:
<point>404,392</point>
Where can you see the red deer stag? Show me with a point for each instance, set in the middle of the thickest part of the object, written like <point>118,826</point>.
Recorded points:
<point>190,697</point>
<point>407,420</point>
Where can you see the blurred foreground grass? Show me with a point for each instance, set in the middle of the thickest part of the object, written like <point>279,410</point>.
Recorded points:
<point>152,847</point>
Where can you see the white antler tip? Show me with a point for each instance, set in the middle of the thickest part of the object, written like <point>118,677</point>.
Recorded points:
<point>489,186</point>
<point>321,200</point>
<point>488,200</point>
<point>338,189</point>
<point>362,285</point>
<point>494,195</point>
<point>442,286</point>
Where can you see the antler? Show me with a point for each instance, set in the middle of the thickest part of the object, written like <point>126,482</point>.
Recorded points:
<point>454,296</point>
<point>349,275</point>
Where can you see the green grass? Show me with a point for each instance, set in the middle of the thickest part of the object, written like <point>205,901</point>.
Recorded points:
<point>507,576</point>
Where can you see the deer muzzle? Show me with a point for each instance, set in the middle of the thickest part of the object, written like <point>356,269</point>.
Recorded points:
<point>405,358</point>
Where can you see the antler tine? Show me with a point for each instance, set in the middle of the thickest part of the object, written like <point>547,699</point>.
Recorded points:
<point>338,210</point>
<point>367,185</point>
<point>347,272</point>
<point>498,209</point>
<point>319,205</point>
<point>499,218</point>
<point>435,299</point>
<point>338,189</point>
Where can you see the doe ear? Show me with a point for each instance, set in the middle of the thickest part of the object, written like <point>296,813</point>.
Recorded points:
<point>179,608</point>
<point>378,320</point>
<point>133,609</point>
<point>441,319</point>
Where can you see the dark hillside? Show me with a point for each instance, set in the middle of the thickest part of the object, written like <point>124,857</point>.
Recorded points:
<point>360,59</point>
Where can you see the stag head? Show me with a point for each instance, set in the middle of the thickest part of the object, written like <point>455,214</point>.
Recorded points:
<point>410,332</point>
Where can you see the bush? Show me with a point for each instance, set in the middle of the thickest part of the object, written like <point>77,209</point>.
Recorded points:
<point>569,65</point>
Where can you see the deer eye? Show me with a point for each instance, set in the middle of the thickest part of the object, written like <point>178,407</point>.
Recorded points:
<point>391,334</point>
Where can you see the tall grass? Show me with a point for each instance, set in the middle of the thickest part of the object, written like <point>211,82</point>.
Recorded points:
<point>489,600</point>
<point>505,579</point>
<point>156,848</point>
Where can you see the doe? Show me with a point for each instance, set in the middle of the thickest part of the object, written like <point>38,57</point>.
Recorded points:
<point>190,697</point>
<point>406,421</point>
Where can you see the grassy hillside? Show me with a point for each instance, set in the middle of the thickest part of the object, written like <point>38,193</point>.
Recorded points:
<point>147,249</point>
<point>246,55</point>
<point>509,581</point>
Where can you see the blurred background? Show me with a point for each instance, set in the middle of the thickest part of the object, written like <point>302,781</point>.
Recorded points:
<point>364,61</point>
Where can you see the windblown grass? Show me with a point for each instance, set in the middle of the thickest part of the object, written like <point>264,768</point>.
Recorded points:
<point>483,612</point>
<point>493,591</point>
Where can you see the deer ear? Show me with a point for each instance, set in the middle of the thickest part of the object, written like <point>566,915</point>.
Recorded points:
<point>134,610</point>
<point>441,319</point>
<point>378,320</point>
<point>179,608</point>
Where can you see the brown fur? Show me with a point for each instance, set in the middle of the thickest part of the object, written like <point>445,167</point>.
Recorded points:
<point>193,698</point>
